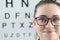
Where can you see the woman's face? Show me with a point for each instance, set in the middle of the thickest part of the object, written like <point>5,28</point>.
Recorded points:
<point>49,31</point>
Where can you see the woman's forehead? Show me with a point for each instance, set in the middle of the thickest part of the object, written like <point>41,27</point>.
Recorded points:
<point>48,10</point>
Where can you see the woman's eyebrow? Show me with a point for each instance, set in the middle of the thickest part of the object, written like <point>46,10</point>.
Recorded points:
<point>55,16</point>
<point>52,16</point>
<point>43,15</point>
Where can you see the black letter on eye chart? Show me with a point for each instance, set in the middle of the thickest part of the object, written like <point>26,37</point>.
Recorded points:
<point>30,26</point>
<point>7,15</point>
<point>12,34</point>
<point>24,34</point>
<point>27,15</point>
<point>17,14</point>
<point>9,3</point>
<point>22,25</point>
<point>13,25</point>
<point>26,3</point>
<point>3,25</point>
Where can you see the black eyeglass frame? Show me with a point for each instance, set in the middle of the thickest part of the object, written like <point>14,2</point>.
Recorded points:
<point>47,21</point>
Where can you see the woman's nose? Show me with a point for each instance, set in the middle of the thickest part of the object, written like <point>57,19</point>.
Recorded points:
<point>49,25</point>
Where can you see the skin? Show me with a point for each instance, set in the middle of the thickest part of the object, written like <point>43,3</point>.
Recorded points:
<point>49,10</point>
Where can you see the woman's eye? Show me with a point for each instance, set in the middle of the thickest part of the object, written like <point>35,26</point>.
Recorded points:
<point>40,19</point>
<point>43,20</point>
<point>56,19</point>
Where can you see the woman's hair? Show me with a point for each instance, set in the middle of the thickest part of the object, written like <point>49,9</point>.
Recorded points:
<point>45,2</point>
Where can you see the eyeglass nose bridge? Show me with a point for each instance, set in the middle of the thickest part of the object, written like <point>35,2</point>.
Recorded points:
<point>48,20</point>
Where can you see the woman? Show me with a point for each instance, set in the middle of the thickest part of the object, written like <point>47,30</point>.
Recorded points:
<point>47,20</point>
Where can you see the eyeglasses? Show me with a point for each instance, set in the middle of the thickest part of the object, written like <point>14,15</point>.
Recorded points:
<point>43,20</point>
